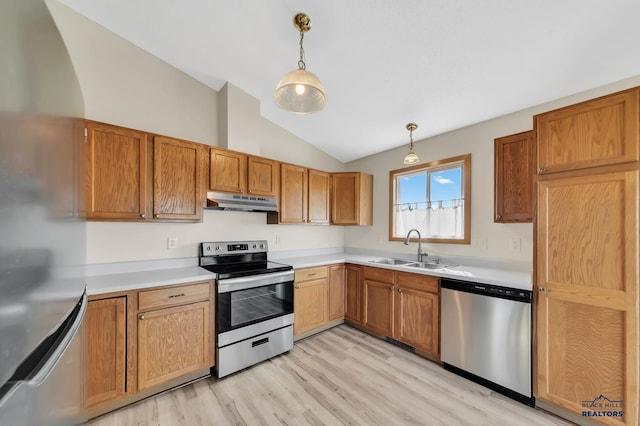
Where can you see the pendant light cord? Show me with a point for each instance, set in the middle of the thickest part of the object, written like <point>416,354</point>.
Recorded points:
<point>301,64</point>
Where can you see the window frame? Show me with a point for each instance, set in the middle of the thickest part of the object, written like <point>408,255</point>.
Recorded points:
<point>465,162</point>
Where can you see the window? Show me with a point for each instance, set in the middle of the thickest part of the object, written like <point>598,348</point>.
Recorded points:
<point>434,198</point>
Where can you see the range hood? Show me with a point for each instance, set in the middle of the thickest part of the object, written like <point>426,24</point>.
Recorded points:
<point>249,203</point>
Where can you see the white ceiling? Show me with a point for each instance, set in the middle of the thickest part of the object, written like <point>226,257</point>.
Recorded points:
<point>442,64</point>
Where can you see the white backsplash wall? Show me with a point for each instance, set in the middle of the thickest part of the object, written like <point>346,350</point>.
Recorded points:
<point>122,241</point>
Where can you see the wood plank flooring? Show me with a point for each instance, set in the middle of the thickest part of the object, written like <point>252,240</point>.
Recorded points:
<point>340,376</point>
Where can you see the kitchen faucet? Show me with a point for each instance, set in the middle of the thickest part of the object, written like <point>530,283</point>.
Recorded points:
<point>421,254</point>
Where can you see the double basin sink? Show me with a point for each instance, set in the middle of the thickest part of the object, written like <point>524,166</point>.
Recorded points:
<point>412,264</point>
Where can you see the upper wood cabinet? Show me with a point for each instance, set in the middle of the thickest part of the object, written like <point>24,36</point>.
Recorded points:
<point>178,179</point>
<point>235,172</point>
<point>351,198</point>
<point>514,162</point>
<point>293,193</point>
<point>597,132</point>
<point>304,195</point>
<point>319,197</point>
<point>116,172</point>
<point>132,175</point>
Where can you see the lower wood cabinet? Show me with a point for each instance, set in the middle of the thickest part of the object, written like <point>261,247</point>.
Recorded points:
<point>319,297</point>
<point>106,328</point>
<point>400,305</point>
<point>310,299</point>
<point>142,342</point>
<point>353,294</point>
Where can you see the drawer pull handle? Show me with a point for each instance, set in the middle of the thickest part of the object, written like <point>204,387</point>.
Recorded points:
<point>312,274</point>
<point>542,169</point>
<point>259,342</point>
<point>543,290</point>
<point>296,286</point>
<point>173,296</point>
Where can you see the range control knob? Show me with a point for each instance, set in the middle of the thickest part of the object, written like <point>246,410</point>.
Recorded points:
<point>255,246</point>
<point>218,248</point>
<point>208,248</point>
<point>261,245</point>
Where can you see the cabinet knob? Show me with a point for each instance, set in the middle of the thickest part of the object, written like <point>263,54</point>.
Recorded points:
<point>296,286</point>
<point>390,288</point>
<point>399,290</point>
<point>156,215</point>
<point>142,215</point>
<point>499,216</point>
<point>542,169</point>
<point>141,317</point>
<point>542,290</point>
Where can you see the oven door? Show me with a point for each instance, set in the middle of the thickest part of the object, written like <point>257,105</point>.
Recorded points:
<point>245,301</point>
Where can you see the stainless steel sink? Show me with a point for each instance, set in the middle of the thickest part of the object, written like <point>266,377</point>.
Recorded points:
<point>423,265</point>
<point>392,261</point>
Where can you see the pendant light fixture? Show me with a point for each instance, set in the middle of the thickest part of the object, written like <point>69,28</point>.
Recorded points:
<point>300,91</point>
<point>411,157</point>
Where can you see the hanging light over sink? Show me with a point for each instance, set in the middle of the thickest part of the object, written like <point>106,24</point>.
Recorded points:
<point>411,157</point>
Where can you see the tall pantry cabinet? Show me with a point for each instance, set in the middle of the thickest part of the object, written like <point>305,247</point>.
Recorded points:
<point>587,257</point>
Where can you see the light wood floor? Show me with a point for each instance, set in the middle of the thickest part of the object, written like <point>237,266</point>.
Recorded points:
<point>340,376</point>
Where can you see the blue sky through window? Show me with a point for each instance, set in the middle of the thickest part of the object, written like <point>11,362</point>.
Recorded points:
<point>445,185</point>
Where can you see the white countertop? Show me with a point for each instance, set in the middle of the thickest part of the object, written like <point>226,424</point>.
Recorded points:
<point>109,283</point>
<point>126,276</point>
<point>488,275</point>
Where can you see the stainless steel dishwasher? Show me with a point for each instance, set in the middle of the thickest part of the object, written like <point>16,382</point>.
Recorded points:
<point>486,336</point>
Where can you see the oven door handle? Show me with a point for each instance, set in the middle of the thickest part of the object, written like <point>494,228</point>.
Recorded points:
<point>253,281</point>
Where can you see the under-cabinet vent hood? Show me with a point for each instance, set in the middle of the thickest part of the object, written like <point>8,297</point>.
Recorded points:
<point>249,203</point>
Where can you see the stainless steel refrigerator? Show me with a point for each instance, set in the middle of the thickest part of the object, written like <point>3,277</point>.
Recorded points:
<point>42,235</point>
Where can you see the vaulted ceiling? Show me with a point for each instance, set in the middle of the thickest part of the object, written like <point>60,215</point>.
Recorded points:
<point>441,64</point>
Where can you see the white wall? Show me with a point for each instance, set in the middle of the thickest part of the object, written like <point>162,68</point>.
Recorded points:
<point>477,140</point>
<point>125,85</point>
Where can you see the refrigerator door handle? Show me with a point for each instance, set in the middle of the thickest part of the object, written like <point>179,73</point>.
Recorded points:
<point>50,364</point>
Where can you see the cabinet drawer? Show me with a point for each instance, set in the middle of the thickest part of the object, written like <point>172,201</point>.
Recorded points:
<point>163,297</point>
<point>378,274</point>
<point>311,273</point>
<point>418,282</point>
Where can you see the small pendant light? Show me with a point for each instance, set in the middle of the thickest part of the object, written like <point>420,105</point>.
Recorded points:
<point>411,157</point>
<point>300,91</point>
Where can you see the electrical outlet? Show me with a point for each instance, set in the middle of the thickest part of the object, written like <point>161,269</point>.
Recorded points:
<point>514,244</point>
<point>172,242</point>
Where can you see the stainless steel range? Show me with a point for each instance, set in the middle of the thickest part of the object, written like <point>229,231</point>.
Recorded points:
<point>254,303</point>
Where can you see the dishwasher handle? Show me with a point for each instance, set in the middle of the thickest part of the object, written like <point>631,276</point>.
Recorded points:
<point>489,290</point>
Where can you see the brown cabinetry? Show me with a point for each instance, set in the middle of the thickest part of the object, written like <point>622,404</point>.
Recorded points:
<point>587,256</point>
<point>514,162</point>
<point>597,132</point>
<point>178,179</point>
<point>132,175</point>
<point>318,205</point>
<point>417,312</point>
<point>351,198</point>
<point>173,342</point>
<point>377,300</point>
<point>106,328</point>
<point>235,172</point>
<point>337,292</point>
<point>311,304</point>
<point>293,193</point>
<point>353,284</point>
<point>116,172</point>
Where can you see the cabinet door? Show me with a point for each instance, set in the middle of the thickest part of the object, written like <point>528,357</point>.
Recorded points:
<point>106,350</point>
<point>378,307</point>
<point>173,342</point>
<point>310,305</point>
<point>177,179</point>
<point>353,294</point>
<point>116,169</point>
<point>337,292</point>
<point>351,199</point>
<point>293,194</point>
<point>318,211</point>
<point>263,176</point>
<point>227,171</point>
<point>417,319</point>
<point>587,280</point>
<point>514,173</point>
<point>597,132</point>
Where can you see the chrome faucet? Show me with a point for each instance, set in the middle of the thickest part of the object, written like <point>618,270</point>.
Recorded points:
<point>421,254</point>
